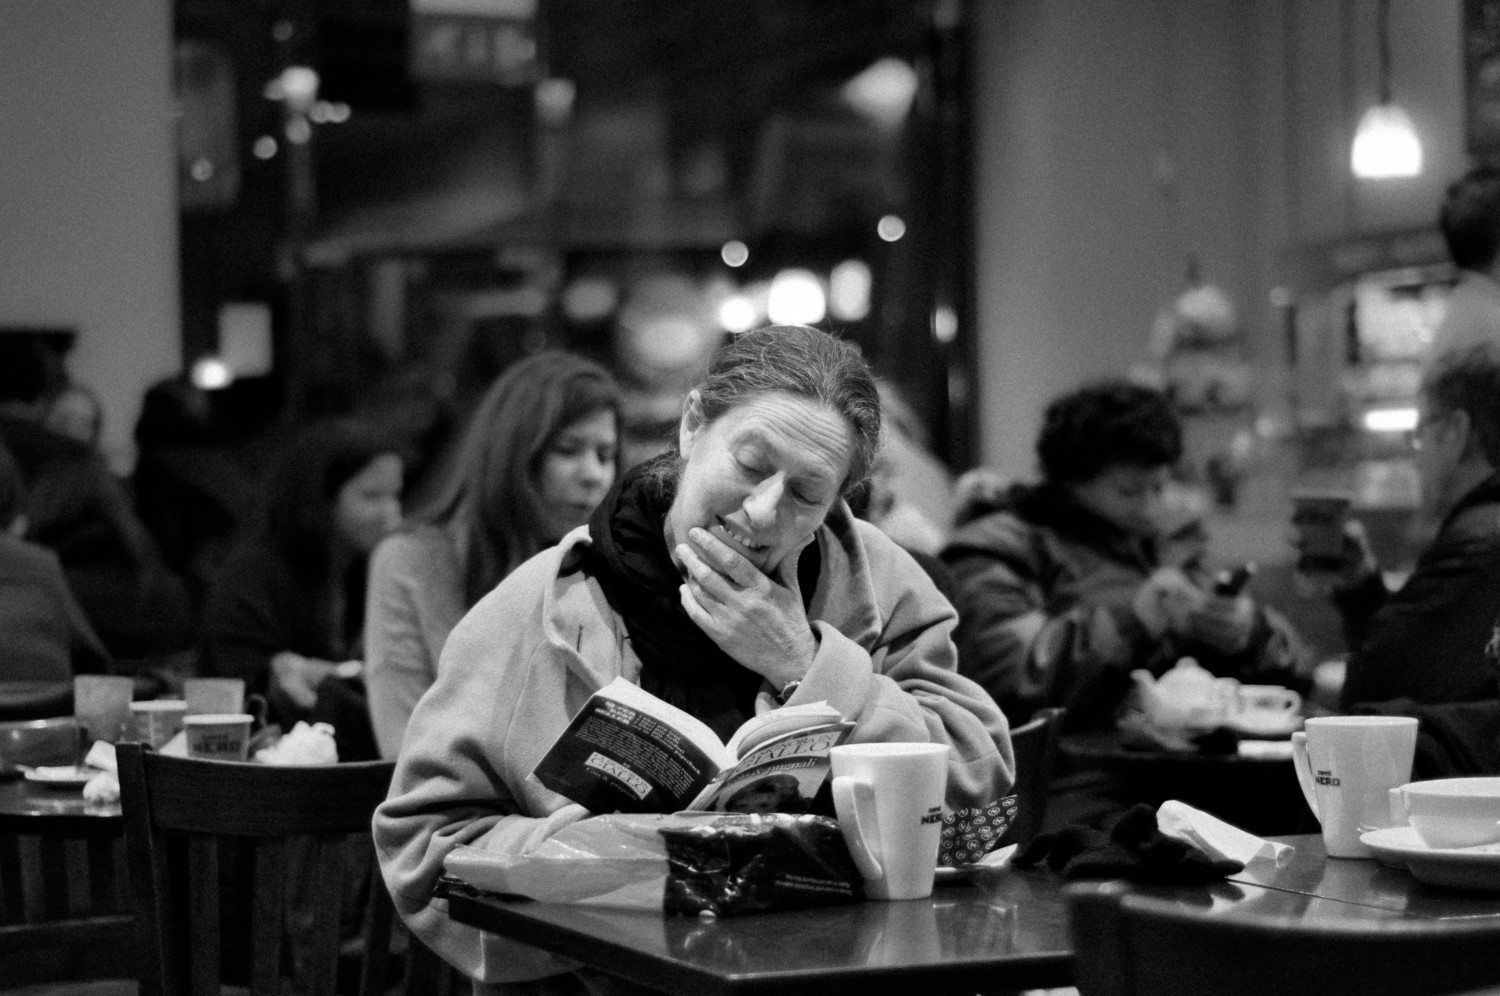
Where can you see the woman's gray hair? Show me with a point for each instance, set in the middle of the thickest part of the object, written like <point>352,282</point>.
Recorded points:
<point>807,363</point>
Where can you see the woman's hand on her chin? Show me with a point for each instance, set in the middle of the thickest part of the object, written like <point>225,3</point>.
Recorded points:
<point>754,618</point>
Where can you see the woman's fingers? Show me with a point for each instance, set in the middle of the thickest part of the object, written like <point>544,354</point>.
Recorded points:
<point>703,575</point>
<point>724,558</point>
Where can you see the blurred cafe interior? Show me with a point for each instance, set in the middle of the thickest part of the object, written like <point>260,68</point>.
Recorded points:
<point>300,210</point>
<point>319,207</point>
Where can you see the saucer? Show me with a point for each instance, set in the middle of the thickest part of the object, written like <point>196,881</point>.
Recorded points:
<point>1265,725</point>
<point>1451,867</point>
<point>60,776</point>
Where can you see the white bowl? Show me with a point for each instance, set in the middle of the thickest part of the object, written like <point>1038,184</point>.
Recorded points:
<point>1450,812</point>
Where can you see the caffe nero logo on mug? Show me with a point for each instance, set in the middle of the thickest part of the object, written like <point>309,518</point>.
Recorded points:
<point>1326,778</point>
<point>934,815</point>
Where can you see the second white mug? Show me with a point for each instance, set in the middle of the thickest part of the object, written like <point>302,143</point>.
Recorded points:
<point>1347,766</point>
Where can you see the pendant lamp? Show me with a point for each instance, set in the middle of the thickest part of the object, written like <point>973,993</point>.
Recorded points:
<point>1385,144</point>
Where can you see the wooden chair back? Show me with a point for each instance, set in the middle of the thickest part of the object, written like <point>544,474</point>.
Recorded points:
<point>1035,746</point>
<point>182,815</point>
<point>62,893</point>
<point>1134,944</point>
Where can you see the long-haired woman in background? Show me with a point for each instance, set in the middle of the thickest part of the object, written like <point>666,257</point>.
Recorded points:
<point>537,457</point>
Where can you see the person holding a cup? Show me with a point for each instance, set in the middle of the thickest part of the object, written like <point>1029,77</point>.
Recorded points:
<point>1426,642</point>
<point>1066,586</point>
<point>288,608</point>
<point>728,577</point>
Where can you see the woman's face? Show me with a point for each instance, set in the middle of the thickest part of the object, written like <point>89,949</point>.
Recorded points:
<point>368,507</point>
<point>1127,495</point>
<point>577,469</point>
<point>762,477</point>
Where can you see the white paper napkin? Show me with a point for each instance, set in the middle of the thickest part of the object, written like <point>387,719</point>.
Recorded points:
<point>1213,836</point>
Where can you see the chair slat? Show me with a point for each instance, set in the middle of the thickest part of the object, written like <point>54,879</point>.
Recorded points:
<point>379,913</point>
<point>267,917</point>
<point>203,914</point>
<point>12,893</point>
<point>104,874</point>
<point>56,893</point>
<point>327,907</point>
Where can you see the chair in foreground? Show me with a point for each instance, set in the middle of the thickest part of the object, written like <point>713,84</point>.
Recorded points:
<point>308,825</point>
<point>1135,944</point>
<point>1035,746</point>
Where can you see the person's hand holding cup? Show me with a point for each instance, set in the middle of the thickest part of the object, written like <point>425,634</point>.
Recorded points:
<point>889,801</point>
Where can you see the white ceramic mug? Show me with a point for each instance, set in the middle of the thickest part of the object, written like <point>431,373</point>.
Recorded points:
<point>889,800</point>
<point>1347,766</point>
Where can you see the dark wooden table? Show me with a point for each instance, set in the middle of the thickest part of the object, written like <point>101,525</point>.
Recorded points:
<point>1001,931</point>
<point>63,890</point>
<point>1259,794</point>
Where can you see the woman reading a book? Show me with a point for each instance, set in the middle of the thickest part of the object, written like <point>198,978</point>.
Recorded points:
<point>727,577</point>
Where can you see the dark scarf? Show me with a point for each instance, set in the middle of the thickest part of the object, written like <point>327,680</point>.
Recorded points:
<point>629,559</point>
<point>1053,507</point>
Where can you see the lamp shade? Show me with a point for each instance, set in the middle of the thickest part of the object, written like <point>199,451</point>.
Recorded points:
<point>1385,144</point>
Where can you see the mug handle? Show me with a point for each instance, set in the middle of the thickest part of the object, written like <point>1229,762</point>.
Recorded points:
<point>1304,771</point>
<point>1292,702</point>
<point>854,801</point>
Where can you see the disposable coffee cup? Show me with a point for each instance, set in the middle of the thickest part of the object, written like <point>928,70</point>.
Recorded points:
<point>1347,766</point>
<point>221,736</point>
<point>889,801</point>
<point>214,695</point>
<point>157,721</point>
<point>101,702</point>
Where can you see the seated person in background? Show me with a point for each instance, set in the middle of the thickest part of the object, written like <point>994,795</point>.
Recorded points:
<point>190,492</point>
<point>290,601</point>
<point>76,508</point>
<point>727,577</point>
<point>43,633</point>
<point>1426,641</point>
<point>1064,587</point>
<point>538,455</point>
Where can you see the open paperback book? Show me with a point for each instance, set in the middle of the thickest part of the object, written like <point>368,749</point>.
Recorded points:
<point>628,751</point>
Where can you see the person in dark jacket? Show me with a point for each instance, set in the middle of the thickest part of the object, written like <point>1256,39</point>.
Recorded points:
<point>1064,587</point>
<point>1426,641</point>
<point>288,608</point>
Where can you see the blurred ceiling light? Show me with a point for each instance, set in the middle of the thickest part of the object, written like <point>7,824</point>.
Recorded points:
<point>796,298</point>
<point>210,373</point>
<point>849,288</point>
<point>944,323</point>
<point>297,85</point>
<point>264,147</point>
<point>298,131</point>
<point>1390,419</point>
<point>339,112</point>
<point>738,314</point>
<point>589,299</point>
<point>554,99</point>
<point>1385,144</point>
<point>735,253</point>
<point>883,92</point>
<point>890,228</point>
<point>202,170</point>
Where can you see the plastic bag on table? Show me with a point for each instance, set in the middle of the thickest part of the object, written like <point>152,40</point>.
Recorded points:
<point>688,863</point>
